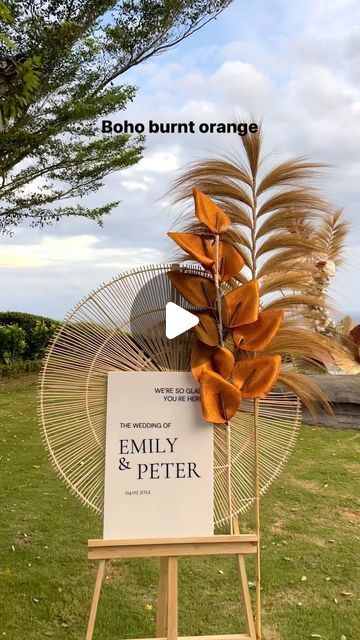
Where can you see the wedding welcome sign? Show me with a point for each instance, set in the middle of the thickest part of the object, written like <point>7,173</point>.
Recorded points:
<point>158,459</point>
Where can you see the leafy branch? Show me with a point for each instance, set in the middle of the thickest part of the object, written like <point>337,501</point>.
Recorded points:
<point>228,316</point>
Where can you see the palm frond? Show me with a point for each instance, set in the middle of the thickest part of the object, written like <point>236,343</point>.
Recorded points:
<point>289,173</point>
<point>304,345</point>
<point>220,168</point>
<point>290,301</point>
<point>252,146</point>
<point>294,199</point>
<point>349,360</point>
<point>311,396</point>
<point>302,228</point>
<point>285,259</point>
<point>220,180</point>
<point>288,241</point>
<point>345,325</point>
<point>279,221</point>
<point>331,236</point>
<point>285,280</point>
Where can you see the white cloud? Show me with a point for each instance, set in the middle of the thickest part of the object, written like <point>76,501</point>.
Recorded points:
<point>53,251</point>
<point>157,162</point>
<point>161,162</point>
<point>132,185</point>
<point>236,81</point>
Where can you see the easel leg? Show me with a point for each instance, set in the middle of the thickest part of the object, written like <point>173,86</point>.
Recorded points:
<point>161,615</point>
<point>257,519</point>
<point>95,600</point>
<point>245,593</point>
<point>172,613</point>
<point>258,593</point>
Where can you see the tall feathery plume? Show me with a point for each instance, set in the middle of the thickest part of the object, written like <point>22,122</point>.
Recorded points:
<point>280,227</point>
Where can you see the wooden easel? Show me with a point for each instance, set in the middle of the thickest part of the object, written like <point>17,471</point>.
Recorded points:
<point>168,550</point>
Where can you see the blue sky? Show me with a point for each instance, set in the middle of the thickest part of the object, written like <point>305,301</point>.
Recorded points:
<point>296,65</point>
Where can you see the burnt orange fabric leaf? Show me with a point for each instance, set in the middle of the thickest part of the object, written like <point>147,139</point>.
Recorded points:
<point>207,330</point>
<point>219,399</point>
<point>257,335</point>
<point>223,362</point>
<point>230,261</point>
<point>209,213</point>
<point>197,290</point>
<point>196,246</point>
<point>256,377</point>
<point>205,358</point>
<point>355,334</point>
<point>241,305</point>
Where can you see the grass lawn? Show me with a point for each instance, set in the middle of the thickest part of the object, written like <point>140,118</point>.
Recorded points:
<point>311,533</point>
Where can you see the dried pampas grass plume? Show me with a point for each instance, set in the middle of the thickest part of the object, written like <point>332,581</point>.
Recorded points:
<point>282,226</point>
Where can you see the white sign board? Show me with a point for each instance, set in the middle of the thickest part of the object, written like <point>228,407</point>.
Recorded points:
<point>159,458</point>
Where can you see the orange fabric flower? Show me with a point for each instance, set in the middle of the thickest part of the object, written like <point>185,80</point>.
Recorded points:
<point>256,377</point>
<point>257,335</point>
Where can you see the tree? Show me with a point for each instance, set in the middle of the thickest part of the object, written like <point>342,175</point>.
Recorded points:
<point>17,72</point>
<point>72,53</point>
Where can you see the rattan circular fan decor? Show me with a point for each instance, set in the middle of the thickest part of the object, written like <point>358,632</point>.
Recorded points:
<point>121,327</point>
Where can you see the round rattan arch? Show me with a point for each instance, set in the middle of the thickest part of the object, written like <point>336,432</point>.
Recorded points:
<point>121,326</point>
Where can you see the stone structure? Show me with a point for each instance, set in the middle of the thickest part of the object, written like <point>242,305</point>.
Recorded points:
<point>343,392</point>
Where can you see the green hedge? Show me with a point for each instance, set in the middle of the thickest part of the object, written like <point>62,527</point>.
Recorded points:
<point>18,367</point>
<point>12,343</point>
<point>24,336</point>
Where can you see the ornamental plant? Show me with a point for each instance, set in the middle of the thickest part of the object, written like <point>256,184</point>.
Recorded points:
<point>261,233</point>
<point>233,331</point>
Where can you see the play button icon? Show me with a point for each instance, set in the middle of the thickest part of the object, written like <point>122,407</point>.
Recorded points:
<point>178,320</point>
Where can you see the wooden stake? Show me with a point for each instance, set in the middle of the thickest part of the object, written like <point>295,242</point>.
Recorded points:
<point>172,614</point>
<point>95,600</point>
<point>228,462</point>
<point>161,616</point>
<point>244,586</point>
<point>257,519</point>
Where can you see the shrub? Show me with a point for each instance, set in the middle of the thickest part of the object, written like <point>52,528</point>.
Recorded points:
<point>12,343</point>
<point>38,332</point>
<point>18,367</point>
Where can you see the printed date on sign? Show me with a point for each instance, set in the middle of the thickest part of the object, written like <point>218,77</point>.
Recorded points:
<point>137,492</point>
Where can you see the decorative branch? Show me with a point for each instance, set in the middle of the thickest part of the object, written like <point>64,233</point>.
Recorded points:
<point>218,292</point>
<point>281,227</point>
<point>233,316</point>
